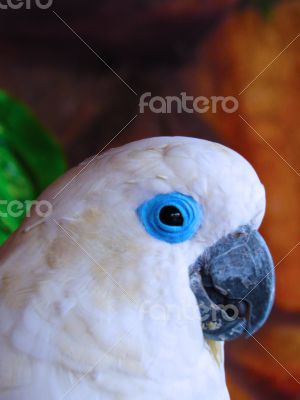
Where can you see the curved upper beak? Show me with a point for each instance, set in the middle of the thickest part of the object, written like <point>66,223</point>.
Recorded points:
<point>234,283</point>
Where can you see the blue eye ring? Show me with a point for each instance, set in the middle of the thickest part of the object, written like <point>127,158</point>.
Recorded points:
<point>191,214</point>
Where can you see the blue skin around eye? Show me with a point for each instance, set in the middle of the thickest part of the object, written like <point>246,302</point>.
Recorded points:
<point>192,213</point>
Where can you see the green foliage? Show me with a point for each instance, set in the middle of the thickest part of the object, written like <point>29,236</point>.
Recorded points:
<point>30,159</point>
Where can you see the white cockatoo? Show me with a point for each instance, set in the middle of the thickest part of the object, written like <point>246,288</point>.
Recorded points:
<point>118,293</point>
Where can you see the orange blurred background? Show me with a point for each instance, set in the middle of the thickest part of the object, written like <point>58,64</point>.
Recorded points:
<point>203,48</point>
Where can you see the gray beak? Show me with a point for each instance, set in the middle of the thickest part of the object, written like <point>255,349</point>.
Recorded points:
<point>234,284</point>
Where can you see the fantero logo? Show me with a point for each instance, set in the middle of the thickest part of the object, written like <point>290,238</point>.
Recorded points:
<point>25,4</point>
<point>188,104</point>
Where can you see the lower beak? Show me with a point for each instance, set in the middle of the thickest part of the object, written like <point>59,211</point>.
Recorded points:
<point>234,282</point>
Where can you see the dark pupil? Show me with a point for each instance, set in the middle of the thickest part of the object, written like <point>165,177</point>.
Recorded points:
<point>170,215</point>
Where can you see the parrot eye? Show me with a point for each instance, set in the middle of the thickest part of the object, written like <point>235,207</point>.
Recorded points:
<point>172,217</point>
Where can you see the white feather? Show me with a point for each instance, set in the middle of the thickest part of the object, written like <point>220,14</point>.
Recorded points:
<point>91,306</point>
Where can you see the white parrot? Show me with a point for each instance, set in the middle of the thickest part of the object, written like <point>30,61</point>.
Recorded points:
<point>110,296</point>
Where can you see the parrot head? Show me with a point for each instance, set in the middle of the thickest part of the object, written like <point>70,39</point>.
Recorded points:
<point>212,205</point>
<point>177,218</point>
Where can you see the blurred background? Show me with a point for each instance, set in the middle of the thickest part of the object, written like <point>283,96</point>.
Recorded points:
<point>81,68</point>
